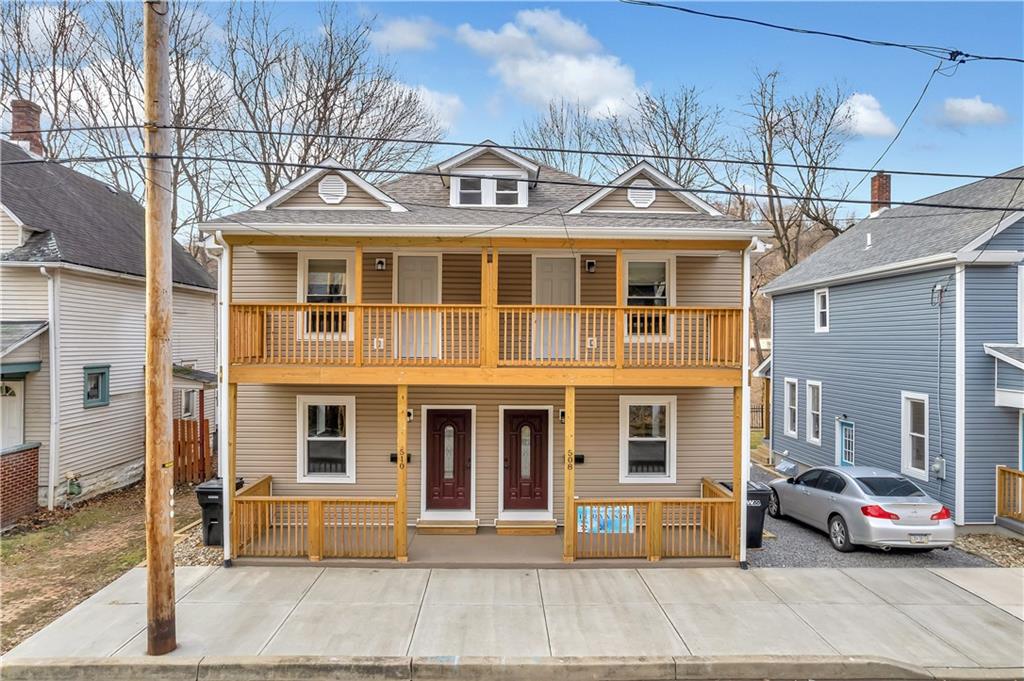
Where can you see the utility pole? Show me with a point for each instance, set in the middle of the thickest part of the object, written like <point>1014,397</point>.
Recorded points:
<point>160,627</point>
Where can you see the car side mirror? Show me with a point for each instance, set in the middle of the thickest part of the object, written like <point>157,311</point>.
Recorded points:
<point>791,481</point>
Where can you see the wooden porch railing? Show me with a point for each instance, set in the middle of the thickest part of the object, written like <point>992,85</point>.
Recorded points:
<point>1010,493</point>
<point>654,528</point>
<point>456,335</point>
<point>315,527</point>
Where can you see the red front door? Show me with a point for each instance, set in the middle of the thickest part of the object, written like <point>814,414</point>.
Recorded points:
<point>526,460</point>
<point>449,464</point>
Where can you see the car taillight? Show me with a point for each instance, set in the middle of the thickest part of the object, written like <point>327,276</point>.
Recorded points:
<point>941,514</point>
<point>875,511</point>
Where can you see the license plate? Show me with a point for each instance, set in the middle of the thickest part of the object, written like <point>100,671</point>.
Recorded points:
<point>919,538</point>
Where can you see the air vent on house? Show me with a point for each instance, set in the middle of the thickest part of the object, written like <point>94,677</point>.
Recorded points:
<point>641,194</point>
<point>332,189</point>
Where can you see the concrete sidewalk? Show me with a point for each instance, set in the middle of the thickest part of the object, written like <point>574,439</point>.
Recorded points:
<point>958,618</point>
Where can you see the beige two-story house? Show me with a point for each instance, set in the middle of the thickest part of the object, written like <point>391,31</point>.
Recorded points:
<point>486,346</point>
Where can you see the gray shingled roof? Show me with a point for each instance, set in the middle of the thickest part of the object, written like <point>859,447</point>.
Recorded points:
<point>1014,352</point>
<point>190,374</point>
<point>426,199</point>
<point>13,333</point>
<point>907,233</point>
<point>80,220</point>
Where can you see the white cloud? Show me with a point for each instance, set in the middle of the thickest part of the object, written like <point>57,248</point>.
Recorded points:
<point>958,111</point>
<point>864,116</point>
<point>542,56</point>
<point>399,35</point>
<point>446,107</point>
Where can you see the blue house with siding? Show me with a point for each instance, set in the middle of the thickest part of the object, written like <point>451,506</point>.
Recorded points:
<point>900,345</point>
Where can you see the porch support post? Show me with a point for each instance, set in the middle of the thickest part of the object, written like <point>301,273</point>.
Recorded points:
<point>491,286</point>
<point>229,478</point>
<point>737,468</point>
<point>569,509</point>
<point>357,300</point>
<point>620,314</point>
<point>401,475</point>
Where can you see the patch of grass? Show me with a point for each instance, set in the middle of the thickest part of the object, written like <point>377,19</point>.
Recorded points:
<point>756,438</point>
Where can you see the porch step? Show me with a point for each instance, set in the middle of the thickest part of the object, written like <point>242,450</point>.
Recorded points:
<point>525,527</point>
<point>446,526</point>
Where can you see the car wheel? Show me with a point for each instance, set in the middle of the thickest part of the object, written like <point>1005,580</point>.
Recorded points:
<point>839,535</point>
<point>774,507</point>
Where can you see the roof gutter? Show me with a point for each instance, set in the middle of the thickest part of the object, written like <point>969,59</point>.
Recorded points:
<point>468,231</point>
<point>905,267</point>
<point>54,369</point>
<point>84,269</point>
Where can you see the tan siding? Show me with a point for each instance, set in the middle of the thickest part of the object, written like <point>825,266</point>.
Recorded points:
<point>664,202</point>
<point>309,197</point>
<point>10,232</point>
<point>377,283</point>
<point>515,278</point>
<point>713,281</point>
<point>262,276</point>
<point>597,288</point>
<point>488,159</point>
<point>460,279</point>
<point>37,409</point>
<point>23,294</point>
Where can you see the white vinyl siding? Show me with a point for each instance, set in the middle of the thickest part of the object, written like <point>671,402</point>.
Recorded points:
<point>914,429</point>
<point>790,407</point>
<point>813,418</point>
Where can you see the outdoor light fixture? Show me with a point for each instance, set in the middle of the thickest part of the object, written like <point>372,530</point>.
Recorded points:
<point>380,264</point>
<point>561,416</point>
<point>408,415</point>
<point>591,266</point>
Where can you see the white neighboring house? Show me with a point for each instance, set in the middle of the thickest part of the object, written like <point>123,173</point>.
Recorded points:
<point>72,325</point>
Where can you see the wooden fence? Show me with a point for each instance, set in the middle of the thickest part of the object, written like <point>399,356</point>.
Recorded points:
<point>315,527</point>
<point>193,458</point>
<point>1010,493</point>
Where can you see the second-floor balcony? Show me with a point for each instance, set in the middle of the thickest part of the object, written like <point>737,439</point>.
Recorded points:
<point>408,335</point>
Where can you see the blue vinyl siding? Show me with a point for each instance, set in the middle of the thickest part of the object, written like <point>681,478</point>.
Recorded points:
<point>990,435</point>
<point>1010,239</point>
<point>1010,377</point>
<point>883,339</point>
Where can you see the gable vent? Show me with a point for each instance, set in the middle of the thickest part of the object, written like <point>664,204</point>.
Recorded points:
<point>332,189</point>
<point>641,194</point>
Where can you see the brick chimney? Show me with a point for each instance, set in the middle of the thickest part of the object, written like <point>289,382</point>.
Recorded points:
<point>24,118</point>
<point>881,191</point>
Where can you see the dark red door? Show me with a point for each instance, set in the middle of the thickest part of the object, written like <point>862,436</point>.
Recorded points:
<point>526,460</point>
<point>449,464</point>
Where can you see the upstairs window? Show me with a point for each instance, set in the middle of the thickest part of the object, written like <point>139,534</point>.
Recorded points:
<point>488,191</point>
<point>471,191</point>
<point>326,282</point>
<point>648,284</point>
<point>821,310</point>
<point>506,192</point>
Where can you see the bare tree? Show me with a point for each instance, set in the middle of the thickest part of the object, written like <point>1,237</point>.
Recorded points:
<point>564,125</point>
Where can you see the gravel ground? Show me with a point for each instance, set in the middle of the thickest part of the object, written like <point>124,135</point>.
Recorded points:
<point>797,545</point>
<point>191,551</point>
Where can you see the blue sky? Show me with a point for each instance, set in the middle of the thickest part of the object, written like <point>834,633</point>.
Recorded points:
<point>478,60</point>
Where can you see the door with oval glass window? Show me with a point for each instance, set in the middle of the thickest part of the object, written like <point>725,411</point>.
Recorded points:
<point>526,460</point>
<point>449,461</point>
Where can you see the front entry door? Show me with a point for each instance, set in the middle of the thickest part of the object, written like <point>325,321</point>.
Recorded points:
<point>526,460</point>
<point>846,443</point>
<point>419,330</point>
<point>449,461</point>
<point>554,332</point>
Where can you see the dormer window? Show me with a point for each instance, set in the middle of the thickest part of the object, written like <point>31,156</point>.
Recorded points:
<point>488,191</point>
<point>506,192</point>
<point>471,191</point>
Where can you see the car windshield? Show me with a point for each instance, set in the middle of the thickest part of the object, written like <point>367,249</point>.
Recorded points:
<point>889,487</point>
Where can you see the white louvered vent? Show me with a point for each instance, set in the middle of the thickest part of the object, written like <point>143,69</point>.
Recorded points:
<point>332,189</point>
<point>641,194</point>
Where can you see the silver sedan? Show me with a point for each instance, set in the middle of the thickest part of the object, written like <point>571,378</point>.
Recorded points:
<point>858,505</point>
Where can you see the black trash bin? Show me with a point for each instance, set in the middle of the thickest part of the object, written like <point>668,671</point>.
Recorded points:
<point>758,495</point>
<point>210,495</point>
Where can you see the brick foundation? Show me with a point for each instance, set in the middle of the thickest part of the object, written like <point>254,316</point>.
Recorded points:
<point>19,479</point>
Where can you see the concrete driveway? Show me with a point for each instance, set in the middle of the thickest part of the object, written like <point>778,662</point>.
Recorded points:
<point>929,618</point>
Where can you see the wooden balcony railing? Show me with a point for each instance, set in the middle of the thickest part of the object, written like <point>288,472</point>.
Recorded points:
<point>655,528</point>
<point>460,335</point>
<point>314,527</point>
<point>1010,493</point>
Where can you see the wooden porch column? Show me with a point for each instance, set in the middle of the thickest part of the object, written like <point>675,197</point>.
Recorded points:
<point>737,467</point>
<point>401,475</point>
<point>357,300</point>
<point>491,334</point>
<point>569,512</point>
<point>620,314</point>
<point>229,500</point>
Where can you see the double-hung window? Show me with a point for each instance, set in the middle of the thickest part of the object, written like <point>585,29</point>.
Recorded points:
<point>648,285</point>
<point>914,427</point>
<point>821,310</point>
<point>506,192</point>
<point>326,281</point>
<point>471,191</point>
<point>790,406</point>
<point>326,426</point>
<point>813,417</point>
<point>647,436</point>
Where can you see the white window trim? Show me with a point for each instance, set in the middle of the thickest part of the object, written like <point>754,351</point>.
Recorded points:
<point>670,270</point>
<point>189,414</point>
<point>905,467</point>
<point>625,401</point>
<point>818,327</point>
<point>301,403</point>
<point>786,407</point>
<point>807,416</point>
<point>303,277</point>
<point>488,187</point>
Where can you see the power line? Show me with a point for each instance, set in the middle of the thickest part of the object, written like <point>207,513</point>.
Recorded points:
<point>522,148</point>
<point>945,53</point>
<point>439,174</point>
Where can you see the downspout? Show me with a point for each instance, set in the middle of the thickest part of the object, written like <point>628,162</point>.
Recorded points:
<point>222,253</point>
<point>54,346</point>
<point>745,427</point>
